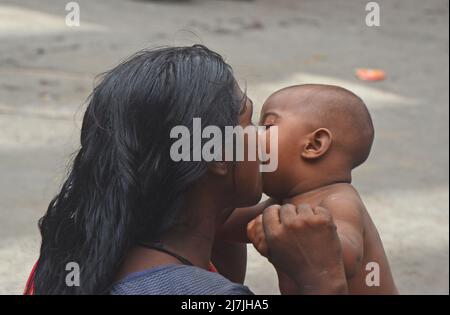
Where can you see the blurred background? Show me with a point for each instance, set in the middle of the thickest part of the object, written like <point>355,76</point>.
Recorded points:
<point>47,70</point>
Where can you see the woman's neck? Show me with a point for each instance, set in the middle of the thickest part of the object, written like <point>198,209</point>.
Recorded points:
<point>195,246</point>
<point>193,242</point>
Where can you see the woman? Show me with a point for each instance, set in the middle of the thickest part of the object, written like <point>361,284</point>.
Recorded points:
<point>134,220</point>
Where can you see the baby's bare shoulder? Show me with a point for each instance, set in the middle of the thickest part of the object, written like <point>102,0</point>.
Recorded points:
<point>342,193</point>
<point>343,201</point>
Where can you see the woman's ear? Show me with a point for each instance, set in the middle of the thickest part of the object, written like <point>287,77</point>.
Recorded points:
<point>218,168</point>
<point>317,144</point>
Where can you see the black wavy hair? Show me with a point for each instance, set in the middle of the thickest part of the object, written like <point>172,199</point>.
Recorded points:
<point>122,186</point>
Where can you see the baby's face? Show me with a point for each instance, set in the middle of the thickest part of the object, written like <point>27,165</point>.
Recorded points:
<point>281,110</point>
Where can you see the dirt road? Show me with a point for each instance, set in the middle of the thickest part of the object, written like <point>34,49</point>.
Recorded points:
<point>47,70</point>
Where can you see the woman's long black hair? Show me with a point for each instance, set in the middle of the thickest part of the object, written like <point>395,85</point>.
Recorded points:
<point>122,186</point>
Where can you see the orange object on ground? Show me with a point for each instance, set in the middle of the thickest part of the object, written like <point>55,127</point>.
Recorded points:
<point>370,74</point>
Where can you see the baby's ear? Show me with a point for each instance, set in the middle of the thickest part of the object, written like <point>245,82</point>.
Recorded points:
<point>317,144</point>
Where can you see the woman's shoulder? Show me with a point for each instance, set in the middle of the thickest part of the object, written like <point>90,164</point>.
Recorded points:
<point>177,280</point>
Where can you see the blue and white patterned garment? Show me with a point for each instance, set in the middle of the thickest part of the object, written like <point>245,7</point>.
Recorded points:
<point>177,280</point>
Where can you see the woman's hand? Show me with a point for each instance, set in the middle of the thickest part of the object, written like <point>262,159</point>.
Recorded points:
<point>301,242</point>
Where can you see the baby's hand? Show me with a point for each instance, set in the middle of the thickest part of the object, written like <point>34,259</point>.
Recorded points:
<point>255,233</point>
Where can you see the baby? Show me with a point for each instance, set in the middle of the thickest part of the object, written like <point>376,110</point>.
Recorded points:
<point>324,132</point>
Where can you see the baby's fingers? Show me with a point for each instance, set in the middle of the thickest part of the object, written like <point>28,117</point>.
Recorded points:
<point>260,244</point>
<point>255,233</point>
<point>251,230</point>
<point>262,247</point>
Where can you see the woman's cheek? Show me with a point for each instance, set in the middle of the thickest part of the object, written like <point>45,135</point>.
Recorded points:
<point>248,181</point>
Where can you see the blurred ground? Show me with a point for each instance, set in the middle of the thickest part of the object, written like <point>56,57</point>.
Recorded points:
<point>47,70</point>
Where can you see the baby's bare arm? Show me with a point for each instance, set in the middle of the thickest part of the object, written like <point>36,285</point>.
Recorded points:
<point>346,209</point>
<point>230,259</point>
<point>229,253</point>
<point>235,228</point>
<point>302,238</point>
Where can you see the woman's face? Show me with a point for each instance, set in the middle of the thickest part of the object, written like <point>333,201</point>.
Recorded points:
<point>247,177</point>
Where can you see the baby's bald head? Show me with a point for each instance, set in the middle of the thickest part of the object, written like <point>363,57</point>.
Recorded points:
<point>334,108</point>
